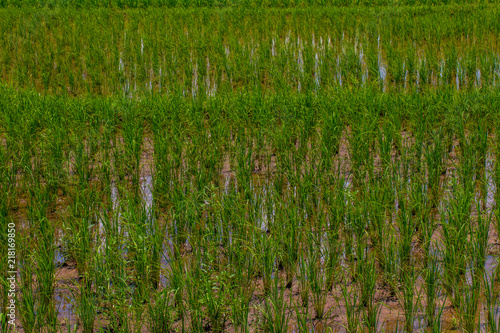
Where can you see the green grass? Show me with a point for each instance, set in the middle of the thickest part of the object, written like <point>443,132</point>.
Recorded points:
<point>124,4</point>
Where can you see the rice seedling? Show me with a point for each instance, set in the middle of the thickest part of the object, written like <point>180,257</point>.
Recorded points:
<point>492,320</point>
<point>351,299</point>
<point>275,309</point>
<point>469,304</point>
<point>159,312</point>
<point>303,283</point>
<point>28,302</point>
<point>367,284</point>
<point>409,298</point>
<point>317,283</point>
<point>433,289</point>
<point>86,309</point>
<point>216,296</point>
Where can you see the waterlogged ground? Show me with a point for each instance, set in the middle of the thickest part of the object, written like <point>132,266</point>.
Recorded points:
<point>318,170</point>
<point>391,311</point>
<point>209,52</point>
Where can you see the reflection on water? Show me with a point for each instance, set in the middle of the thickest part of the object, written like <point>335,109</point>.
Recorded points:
<point>65,303</point>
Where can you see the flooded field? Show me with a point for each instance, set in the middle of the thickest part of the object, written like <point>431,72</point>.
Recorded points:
<point>294,219</point>
<point>198,53</point>
<point>320,170</point>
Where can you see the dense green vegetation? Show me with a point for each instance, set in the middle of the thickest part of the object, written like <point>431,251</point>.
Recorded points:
<point>207,170</point>
<point>124,4</point>
<point>201,51</point>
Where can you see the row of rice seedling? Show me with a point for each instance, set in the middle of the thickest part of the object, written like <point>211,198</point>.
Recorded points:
<point>253,211</point>
<point>203,52</point>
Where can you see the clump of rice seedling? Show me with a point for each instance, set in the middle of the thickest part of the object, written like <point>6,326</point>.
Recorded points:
<point>350,296</point>
<point>317,282</point>
<point>160,312</point>
<point>274,310</point>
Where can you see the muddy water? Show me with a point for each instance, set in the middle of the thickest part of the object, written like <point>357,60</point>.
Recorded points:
<point>65,304</point>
